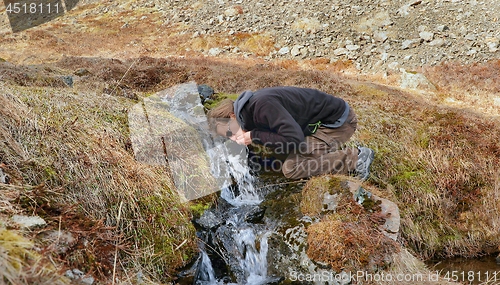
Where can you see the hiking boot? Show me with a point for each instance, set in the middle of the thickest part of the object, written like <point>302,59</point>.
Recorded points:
<point>365,159</point>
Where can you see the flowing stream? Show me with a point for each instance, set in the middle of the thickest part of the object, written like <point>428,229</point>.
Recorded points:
<point>170,128</point>
<point>236,241</point>
<point>248,245</point>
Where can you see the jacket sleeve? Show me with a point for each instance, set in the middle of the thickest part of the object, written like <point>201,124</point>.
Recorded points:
<point>275,127</point>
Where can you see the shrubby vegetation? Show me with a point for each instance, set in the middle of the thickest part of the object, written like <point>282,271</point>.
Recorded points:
<point>68,153</point>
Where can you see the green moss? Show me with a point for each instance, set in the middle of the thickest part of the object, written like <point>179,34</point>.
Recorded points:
<point>162,236</point>
<point>217,98</point>
<point>197,209</point>
<point>282,206</point>
<point>335,185</point>
<point>17,247</point>
<point>371,205</point>
<point>50,173</point>
<point>423,138</point>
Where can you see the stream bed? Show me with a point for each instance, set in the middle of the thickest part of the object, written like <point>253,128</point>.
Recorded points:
<point>484,270</point>
<point>256,233</point>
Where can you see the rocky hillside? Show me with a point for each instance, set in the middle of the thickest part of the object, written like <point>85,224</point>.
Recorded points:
<point>376,35</point>
<point>66,87</point>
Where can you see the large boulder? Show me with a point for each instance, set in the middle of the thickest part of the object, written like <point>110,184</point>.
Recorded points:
<point>331,227</point>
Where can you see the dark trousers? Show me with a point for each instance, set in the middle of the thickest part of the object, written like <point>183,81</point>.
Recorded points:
<point>323,152</point>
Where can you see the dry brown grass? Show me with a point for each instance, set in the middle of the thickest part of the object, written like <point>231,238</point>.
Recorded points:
<point>437,163</point>
<point>76,141</point>
<point>350,245</point>
<point>349,238</point>
<point>474,87</point>
<point>483,76</point>
<point>21,264</point>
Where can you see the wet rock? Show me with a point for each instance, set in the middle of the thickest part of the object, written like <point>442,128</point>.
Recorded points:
<point>28,222</point>
<point>280,257</point>
<point>223,208</point>
<point>225,242</point>
<point>253,214</point>
<point>209,220</point>
<point>206,92</point>
<point>273,280</point>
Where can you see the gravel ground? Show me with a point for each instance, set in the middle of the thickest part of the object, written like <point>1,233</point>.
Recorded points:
<point>376,34</point>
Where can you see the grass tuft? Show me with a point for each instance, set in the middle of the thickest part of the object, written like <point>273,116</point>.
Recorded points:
<point>76,142</point>
<point>348,238</point>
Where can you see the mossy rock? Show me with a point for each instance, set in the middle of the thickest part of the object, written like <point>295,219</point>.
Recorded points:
<point>314,192</point>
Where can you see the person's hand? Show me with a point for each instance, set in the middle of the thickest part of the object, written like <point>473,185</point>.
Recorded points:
<point>242,137</point>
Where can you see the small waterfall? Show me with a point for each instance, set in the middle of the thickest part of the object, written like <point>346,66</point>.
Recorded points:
<point>206,275</point>
<point>254,261</point>
<point>170,128</point>
<point>250,242</point>
<point>229,160</point>
<point>244,181</point>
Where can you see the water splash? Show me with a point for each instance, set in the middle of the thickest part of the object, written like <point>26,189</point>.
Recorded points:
<point>229,163</point>
<point>254,260</point>
<point>206,275</point>
<point>228,158</point>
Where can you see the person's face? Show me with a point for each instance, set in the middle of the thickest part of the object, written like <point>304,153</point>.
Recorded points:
<point>228,128</point>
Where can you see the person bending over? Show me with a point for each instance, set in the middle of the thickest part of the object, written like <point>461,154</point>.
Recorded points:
<point>308,125</point>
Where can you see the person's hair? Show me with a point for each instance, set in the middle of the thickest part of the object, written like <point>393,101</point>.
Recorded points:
<point>221,113</point>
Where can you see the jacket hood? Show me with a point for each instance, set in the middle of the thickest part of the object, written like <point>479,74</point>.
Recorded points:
<point>239,103</point>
